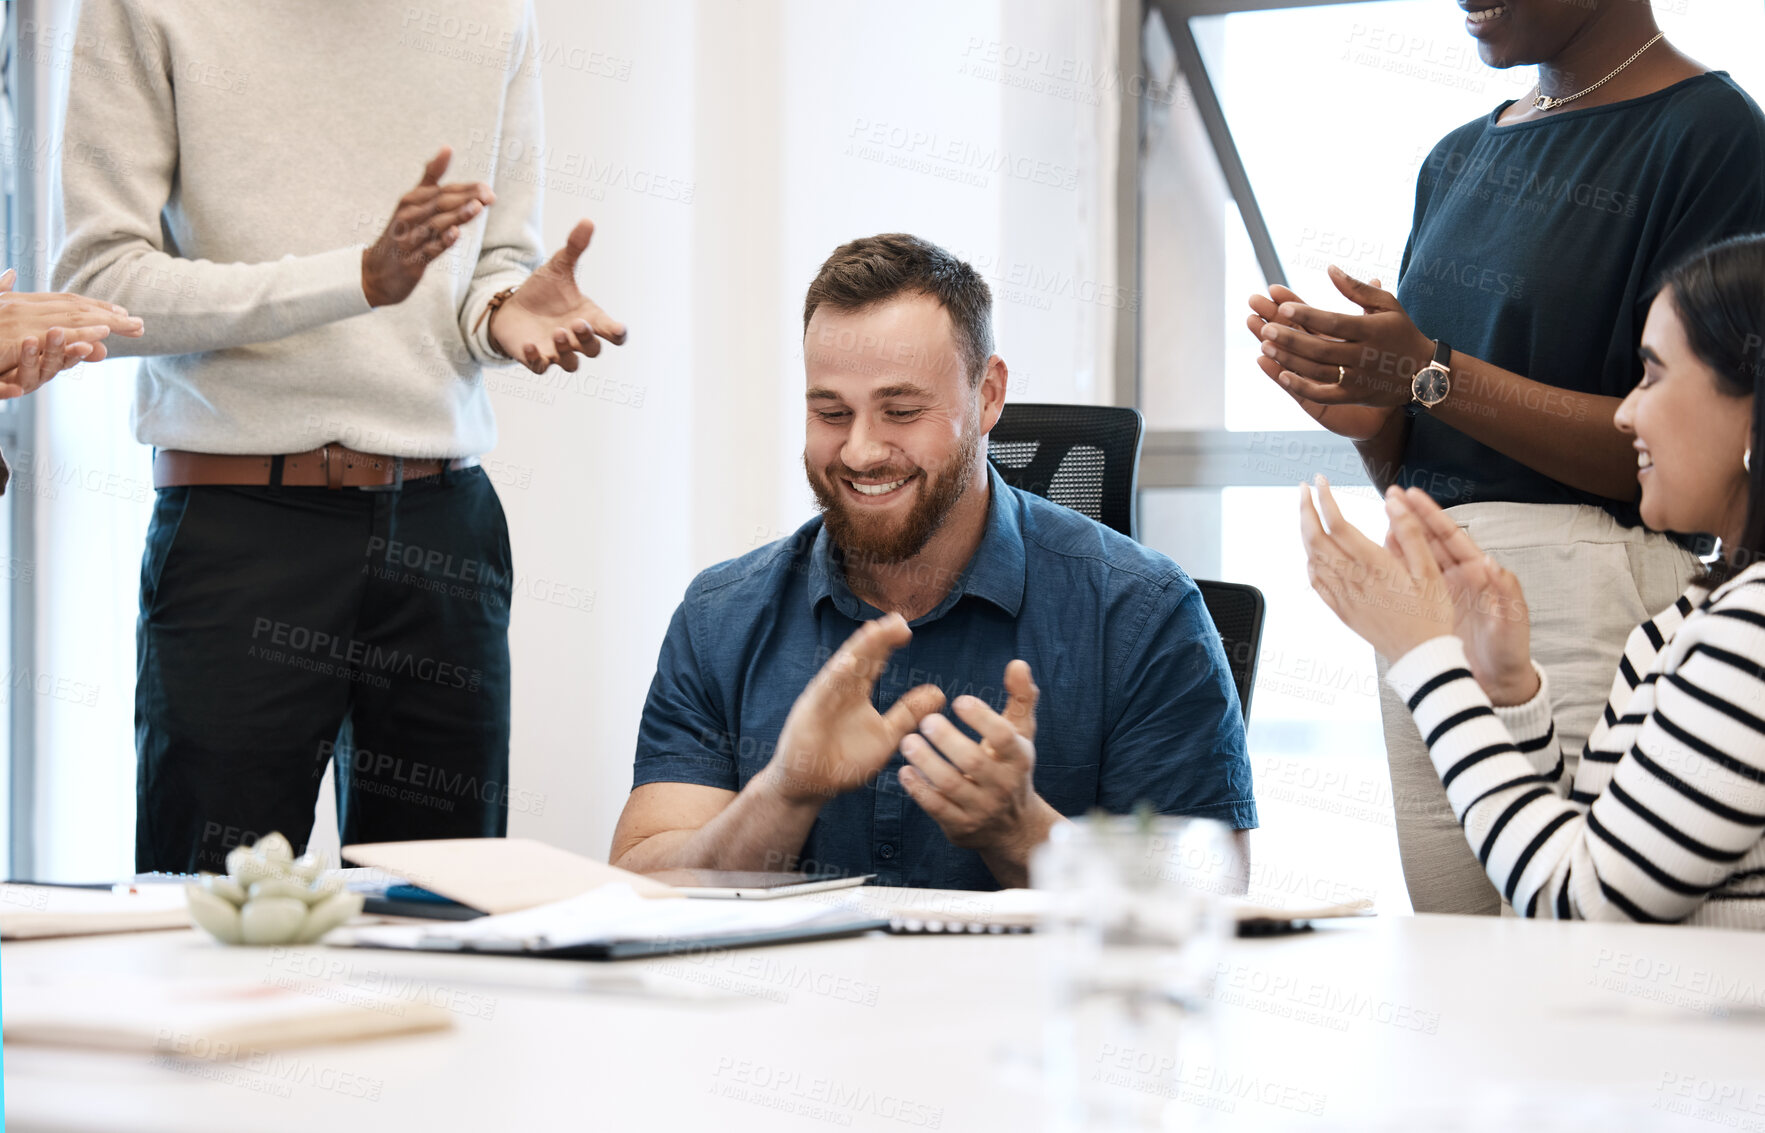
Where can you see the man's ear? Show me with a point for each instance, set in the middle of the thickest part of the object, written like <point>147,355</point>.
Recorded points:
<point>993,383</point>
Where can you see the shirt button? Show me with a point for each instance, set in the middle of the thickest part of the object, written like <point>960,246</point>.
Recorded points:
<point>886,851</point>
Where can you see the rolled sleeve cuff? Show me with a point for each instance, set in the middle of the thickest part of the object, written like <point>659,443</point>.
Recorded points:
<point>685,769</point>
<point>1239,814</point>
<point>1425,662</point>
<point>1532,719</point>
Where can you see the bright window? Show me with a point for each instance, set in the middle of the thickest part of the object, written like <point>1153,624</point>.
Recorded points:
<point>1333,109</point>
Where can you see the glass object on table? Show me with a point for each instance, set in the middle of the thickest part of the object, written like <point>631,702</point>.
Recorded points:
<point>1134,927</point>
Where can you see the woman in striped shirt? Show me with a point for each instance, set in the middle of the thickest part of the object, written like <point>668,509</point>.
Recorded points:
<point>1663,819</point>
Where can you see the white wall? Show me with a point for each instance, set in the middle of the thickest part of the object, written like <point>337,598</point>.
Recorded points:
<point>775,130</point>
<point>800,125</point>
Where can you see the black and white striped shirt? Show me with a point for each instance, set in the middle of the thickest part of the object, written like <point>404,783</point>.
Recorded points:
<point>1664,818</point>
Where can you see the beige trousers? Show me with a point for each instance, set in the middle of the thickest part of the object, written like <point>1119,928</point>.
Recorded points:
<point>1588,581</point>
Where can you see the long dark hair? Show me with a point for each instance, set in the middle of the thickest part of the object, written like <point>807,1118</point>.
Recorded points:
<point>1719,295</point>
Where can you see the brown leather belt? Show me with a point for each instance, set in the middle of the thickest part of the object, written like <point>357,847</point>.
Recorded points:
<point>328,466</point>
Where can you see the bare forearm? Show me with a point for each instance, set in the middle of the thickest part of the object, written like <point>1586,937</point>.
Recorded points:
<point>1563,434</point>
<point>759,829</point>
<point>1237,878</point>
<point>1382,454</point>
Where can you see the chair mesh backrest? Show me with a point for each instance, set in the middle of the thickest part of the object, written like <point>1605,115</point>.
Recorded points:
<point>1085,457</point>
<point>1237,612</point>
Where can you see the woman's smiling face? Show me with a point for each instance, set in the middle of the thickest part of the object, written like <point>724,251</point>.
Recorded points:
<point>1689,436</point>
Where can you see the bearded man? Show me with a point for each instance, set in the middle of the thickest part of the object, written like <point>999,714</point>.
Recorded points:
<point>862,697</point>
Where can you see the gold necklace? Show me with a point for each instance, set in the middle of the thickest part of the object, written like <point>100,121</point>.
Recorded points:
<point>1541,102</point>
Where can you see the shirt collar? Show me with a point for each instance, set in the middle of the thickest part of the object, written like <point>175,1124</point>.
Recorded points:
<point>995,573</point>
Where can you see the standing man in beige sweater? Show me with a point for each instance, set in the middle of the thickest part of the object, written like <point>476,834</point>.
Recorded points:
<point>328,573</point>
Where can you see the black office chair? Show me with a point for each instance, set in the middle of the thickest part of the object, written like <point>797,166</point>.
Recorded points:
<point>1237,611</point>
<point>1087,457</point>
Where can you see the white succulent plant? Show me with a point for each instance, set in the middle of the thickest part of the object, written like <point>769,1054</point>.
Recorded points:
<point>268,896</point>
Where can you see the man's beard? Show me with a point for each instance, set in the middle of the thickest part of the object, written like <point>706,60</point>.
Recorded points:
<point>871,539</point>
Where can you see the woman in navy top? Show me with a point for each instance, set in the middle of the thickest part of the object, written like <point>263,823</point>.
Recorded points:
<point>1539,232</point>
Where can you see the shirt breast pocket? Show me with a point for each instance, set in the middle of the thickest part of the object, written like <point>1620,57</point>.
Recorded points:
<point>1066,775</point>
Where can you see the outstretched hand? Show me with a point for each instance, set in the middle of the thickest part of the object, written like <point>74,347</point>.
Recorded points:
<point>548,320</point>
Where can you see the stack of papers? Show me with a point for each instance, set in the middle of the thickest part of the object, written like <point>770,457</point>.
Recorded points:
<point>614,922</point>
<point>31,911</point>
<point>495,875</point>
<point>201,1018</point>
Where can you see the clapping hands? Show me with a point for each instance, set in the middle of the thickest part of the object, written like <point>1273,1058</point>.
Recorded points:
<point>44,333</point>
<point>1429,579</point>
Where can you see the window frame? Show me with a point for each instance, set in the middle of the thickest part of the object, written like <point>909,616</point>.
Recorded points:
<point>27,88</point>
<point>1198,458</point>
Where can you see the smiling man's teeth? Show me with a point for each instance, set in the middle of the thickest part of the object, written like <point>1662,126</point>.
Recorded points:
<point>1483,15</point>
<point>1644,460</point>
<point>875,489</point>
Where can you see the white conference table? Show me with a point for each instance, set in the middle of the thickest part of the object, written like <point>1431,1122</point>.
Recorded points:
<point>1413,1023</point>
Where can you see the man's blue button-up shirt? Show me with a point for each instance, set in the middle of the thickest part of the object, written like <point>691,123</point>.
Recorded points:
<point>1137,702</point>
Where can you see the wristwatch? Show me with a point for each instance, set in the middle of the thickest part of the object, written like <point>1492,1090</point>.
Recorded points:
<point>1434,381</point>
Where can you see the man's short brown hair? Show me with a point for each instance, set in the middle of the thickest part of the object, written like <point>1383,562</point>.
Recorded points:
<point>875,269</point>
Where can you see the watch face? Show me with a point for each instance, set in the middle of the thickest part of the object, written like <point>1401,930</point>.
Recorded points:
<point>1430,386</point>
